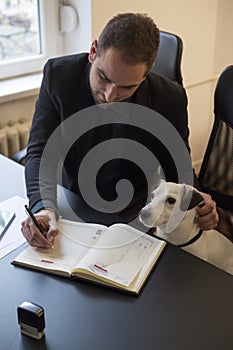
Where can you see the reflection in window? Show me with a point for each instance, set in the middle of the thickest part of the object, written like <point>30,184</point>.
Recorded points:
<point>19,29</point>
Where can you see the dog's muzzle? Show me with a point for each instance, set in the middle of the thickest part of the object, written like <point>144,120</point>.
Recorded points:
<point>145,217</point>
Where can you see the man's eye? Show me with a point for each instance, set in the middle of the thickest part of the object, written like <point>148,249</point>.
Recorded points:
<point>128,87</point>
<point>171,200</point>
<point>102,77</point>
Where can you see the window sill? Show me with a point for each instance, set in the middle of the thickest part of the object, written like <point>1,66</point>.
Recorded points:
<point>20,87</point>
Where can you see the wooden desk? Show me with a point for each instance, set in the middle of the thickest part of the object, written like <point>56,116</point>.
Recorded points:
<point>185,305</point>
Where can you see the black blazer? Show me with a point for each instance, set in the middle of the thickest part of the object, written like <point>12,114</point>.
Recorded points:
<point>65,90</point>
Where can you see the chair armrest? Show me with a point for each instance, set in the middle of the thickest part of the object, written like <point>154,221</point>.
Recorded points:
<point>19,156</point>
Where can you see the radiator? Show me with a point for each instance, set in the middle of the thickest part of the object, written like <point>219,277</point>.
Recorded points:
<point>14,136</point>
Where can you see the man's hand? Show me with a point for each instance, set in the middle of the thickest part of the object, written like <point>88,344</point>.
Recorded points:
<point>47,219</point>
<point>207,215</point>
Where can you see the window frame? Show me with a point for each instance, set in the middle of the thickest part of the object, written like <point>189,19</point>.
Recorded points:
<point>51,44</point>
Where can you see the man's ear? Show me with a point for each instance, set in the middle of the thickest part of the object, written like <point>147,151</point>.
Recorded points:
<point>93,51</point>
<point>191,198</point>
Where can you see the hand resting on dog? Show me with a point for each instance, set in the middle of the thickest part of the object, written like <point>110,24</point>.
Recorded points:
<point>206,214</point>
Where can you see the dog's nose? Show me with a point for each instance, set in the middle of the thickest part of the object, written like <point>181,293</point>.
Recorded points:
<point>144,214</point>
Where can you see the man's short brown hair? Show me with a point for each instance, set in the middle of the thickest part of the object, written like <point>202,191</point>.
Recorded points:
<point>135,35</point>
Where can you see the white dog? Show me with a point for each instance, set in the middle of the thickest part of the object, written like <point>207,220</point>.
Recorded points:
<point>172,211</point>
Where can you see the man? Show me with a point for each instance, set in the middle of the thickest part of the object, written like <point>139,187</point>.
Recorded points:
<point>116,69</point>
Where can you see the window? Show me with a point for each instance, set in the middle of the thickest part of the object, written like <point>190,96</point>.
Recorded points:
<point>26,28</point>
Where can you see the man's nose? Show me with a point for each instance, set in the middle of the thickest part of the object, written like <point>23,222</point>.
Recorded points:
<point>110,93</point>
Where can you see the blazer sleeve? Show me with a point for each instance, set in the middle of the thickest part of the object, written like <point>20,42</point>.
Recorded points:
<point>40,166</point>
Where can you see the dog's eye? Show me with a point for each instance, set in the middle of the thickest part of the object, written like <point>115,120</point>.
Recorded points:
<point>152,196</point>
<point>171,200</point>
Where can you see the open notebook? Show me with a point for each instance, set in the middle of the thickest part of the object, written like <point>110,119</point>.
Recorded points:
<point>119,256</point>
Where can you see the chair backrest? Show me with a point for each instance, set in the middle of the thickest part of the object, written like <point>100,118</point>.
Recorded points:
<point>216,174</point>
<point>168,60</point>
<point>223,105</point>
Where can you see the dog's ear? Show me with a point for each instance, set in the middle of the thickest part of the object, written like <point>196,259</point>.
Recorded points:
<point>157,183</point>
<point>159,172</point>
<point>159,177</point>
<point>191,198</point>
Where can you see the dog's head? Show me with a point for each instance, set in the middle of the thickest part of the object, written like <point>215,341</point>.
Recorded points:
<point>168,204</point>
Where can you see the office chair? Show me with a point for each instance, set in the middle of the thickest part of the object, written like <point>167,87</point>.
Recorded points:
<point>19,156</point>
<point>167,63</point>
<point>168,60</point>
<point>216,173</point>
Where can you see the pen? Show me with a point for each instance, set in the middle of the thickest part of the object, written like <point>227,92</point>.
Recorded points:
<point>29,212</point>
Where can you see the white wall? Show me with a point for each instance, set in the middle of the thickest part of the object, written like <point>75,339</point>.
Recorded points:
<point>17,109</point>
<point>79,40</point>
<point>223,53</point>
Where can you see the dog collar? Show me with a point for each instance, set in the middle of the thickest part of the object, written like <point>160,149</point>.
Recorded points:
<point>192,240</point>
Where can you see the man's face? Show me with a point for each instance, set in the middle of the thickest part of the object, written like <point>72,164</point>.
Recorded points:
<point>111,79</point>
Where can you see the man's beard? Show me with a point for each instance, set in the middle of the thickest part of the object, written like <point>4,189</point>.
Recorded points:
<point>94,96</point>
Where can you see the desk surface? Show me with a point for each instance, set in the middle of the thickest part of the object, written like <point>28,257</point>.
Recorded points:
<point>186,304</point>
